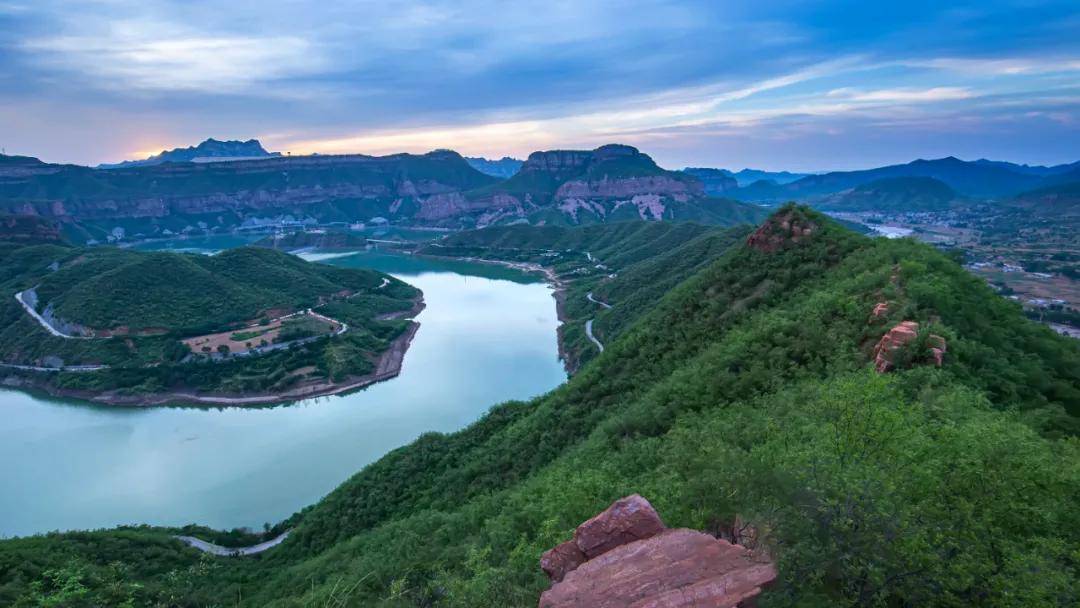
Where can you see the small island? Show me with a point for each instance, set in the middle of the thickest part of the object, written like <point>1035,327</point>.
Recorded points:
<point>245,327</point>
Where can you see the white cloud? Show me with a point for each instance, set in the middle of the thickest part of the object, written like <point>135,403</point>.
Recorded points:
<point>155,56</point>
<point>906,95</point>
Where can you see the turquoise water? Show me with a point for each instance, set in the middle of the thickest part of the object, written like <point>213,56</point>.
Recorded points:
<point>487,336</point>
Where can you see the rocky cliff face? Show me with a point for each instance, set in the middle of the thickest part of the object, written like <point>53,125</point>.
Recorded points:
<point>612,181</point>
<point>240,188</point>
<point>625,557</point>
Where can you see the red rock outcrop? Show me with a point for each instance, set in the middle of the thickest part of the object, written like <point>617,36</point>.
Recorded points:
<point>560,560</point>
<point>625,558</point>
<point>626,520</point>
<point>781,230</point>
<point>899,336</point>
<point>880,310</point>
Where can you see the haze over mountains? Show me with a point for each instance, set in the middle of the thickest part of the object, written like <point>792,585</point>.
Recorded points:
<point>195,190</point>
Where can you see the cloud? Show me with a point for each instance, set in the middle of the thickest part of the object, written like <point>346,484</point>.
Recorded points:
<point>491,77</point>
<point>160,57</point>
<point>902,95</point>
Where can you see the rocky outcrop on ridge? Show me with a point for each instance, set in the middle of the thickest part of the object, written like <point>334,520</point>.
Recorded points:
<point>782,230</point>
<point>900,336</point>
<point>625,557</point>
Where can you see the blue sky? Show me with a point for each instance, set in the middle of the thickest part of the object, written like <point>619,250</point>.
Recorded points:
<point>794,85</point>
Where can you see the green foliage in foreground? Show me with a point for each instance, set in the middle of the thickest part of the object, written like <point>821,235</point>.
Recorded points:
<point>746,390</point>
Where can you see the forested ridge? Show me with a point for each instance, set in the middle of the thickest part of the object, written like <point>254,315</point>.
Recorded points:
<point>746,389</point>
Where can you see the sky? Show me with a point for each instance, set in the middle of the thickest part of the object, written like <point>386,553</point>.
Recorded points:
<point>804,86</point>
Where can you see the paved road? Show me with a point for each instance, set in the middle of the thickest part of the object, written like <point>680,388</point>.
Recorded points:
<point>588,324</point>
<point>590,298</point>
<point>43,322</point>
<point>588,332</point>
<point>206,547</point>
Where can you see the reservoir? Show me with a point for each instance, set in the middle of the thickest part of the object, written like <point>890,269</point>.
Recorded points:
<point>488,335</point>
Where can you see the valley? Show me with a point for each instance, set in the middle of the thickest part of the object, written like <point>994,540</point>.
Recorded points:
<point>798,319</point>
<point>591,327</point>
<point>487,335</point>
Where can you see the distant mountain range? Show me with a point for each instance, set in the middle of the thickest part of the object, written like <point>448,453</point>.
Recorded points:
<point>979,179</point>
<point>210,150</point>
<point>745,177</point>
<point>175,192</point>
<point>503,168</point>
<point>439,188</point>
<point>894,194</point>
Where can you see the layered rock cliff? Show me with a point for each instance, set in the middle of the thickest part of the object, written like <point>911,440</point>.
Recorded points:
<point>613,182</point>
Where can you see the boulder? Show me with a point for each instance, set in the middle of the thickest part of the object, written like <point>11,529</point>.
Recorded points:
<point>674,569</point>
<point>560,560</point>
<point>626,520</point>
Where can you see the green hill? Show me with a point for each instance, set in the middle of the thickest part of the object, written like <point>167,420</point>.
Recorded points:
<point>746,390</point>
<point>1052,201</point>
<point>189,293</point>
<point>893,194</point>
<point>149,301</point>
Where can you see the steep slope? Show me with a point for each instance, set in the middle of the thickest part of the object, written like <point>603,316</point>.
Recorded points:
<point>968,178</point>
<point>210,150</point>
<point>744,395</point>
<point>893,194</point>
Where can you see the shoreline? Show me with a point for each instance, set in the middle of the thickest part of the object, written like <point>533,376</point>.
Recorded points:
<point>388,365</point>
<point>559,293</point>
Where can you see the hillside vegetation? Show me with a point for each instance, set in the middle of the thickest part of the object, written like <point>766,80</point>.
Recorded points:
<point>745,390</point>
<point>893,195</point>
<point>149,301</point>
<point>627,265</point>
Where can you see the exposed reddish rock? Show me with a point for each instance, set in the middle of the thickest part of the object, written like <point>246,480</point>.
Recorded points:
<point>937,349</point>
<point>674,569</point>
<point>900,336</point>
<point>628,519</point>
<point>781,230</point>
<point>560,560</point>
<point>880,310</point>
<point>625,558</point>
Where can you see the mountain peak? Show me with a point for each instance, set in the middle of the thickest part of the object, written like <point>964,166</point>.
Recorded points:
<point>209,150</point>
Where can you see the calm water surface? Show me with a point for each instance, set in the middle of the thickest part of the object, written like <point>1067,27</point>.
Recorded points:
<point>487,336</point>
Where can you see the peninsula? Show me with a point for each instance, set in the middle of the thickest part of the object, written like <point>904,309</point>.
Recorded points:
<point>248,326</point>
